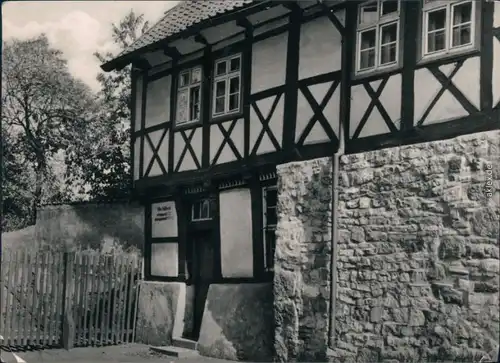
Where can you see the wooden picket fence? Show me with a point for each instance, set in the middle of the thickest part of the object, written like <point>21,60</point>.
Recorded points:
<point>68,299</point>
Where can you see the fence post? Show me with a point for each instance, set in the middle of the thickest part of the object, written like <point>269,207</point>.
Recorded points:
<point>68,325</point>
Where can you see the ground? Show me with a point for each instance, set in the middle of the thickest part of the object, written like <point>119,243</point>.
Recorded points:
<point>132,353</point>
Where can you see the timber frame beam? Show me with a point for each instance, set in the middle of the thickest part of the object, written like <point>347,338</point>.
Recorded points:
<point>141,64</point>
<point>200,39</point>
<point>172,52</point>
<point>292,82</point>
<point>245,24</point>
<point>327,11</point>
<point>403,127</point>
<point>292,6</point>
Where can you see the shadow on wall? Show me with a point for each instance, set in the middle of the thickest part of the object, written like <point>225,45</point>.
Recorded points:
<point>238,323</point>
<point>102,227</point>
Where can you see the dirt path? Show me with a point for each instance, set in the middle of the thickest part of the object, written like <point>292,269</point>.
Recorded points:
<point>132,353</point>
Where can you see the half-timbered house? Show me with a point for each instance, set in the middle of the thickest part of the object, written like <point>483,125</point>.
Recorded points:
<point>224,91</point>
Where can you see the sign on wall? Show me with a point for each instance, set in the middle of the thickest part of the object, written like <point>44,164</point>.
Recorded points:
<point>163,220</point>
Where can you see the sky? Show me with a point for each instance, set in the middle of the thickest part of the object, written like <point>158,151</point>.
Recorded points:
<point>77,28</point>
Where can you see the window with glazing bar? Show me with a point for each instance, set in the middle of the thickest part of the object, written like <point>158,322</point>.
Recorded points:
<point>227,86</point>
<point>377,35</point>
<point>201,210</point>
<point>448,26</point>
<point>269,196</point>
<point>188,96</point>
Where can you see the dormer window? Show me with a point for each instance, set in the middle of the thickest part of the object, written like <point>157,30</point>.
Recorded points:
<point>227,86</point>
<point>377,35</point>
<point>188,96</point>
<point>448,26</point>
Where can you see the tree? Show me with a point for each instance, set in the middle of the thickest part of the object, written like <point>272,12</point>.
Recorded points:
<point>16,181</point>
<point>45,108</point>
<point>108,171</point>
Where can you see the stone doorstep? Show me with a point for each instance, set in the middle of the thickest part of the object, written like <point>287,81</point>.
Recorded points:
<point>177,352</point>
<point>185,343</point>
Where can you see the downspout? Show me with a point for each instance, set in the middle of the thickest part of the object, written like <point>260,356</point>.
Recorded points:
<point>334,250</point>
<point>343,120</point>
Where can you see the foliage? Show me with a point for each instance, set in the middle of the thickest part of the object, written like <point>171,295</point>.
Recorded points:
<point>44,110</point>
<point>16,181</point>
<point>108,171</point>
<point>56,135</point>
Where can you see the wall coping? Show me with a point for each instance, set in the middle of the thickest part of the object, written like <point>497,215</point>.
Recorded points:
<point>485,135</point>
<point>87,204</point>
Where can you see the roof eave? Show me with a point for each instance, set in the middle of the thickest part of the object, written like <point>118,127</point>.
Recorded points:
<point>122,61</point>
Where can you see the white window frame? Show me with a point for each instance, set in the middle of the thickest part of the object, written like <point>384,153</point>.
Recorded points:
<point>449,6</point>
<point>199,203</point>
<point>266,227</point>
<point>381,22</point>
<point>188,88</point>
<point>226,78</point>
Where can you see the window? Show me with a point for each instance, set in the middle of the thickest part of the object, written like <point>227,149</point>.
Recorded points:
<point>270,197</point>
<point>448,26</point>
<point>377,35</point>
<point>227,86</point>
<point>201,210</point>
<point>188,97</point>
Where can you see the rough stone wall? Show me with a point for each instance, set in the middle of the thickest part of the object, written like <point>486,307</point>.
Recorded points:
<point>418,260</point>
<point>302,261</point>
<point>102,227</point>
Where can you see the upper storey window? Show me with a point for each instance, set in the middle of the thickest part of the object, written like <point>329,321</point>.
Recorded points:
<point>227,86</point>
<point>448,26</point>
<point>188,96</point>
<point>377,35</point>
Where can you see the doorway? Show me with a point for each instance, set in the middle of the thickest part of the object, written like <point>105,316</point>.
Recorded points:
<point>203,266</point>
<point>200,258</point>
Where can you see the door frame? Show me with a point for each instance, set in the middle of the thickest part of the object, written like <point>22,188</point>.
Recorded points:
<point>200,285</point>
<point>193,228</point>
<point>212,224</point>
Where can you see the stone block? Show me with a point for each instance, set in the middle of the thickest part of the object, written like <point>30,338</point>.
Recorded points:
<point>417,317</point>
<point>238,322</point>
<point>157,312</point>
<point>452,248</point>
<point>490,286</point>
<point>357,234</point>
<point>485,222</point>
<point>376,314</point>
<point>364,203</point>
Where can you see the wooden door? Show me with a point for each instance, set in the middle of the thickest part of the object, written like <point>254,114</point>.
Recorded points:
<point>202,274</point>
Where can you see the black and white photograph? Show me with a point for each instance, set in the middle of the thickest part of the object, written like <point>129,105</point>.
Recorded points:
<point>208,181</point>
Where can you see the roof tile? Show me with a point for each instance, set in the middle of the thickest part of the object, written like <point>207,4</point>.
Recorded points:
<point>181,17</point>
